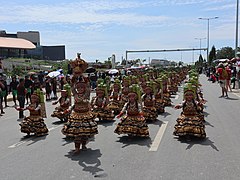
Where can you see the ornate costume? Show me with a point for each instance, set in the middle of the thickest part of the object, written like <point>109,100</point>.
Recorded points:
<point>132,123</point>
<point>81,124</point>
<point>189,123</point>
<point>62,112</point>
<point>115,97</point>
<point>149,109</point>
<point>99,104</point>
<point>34,123</point>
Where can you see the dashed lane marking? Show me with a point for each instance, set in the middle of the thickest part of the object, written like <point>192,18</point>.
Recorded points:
<point>24,141</point>
<point>158,138</point>
<point>177,96</point>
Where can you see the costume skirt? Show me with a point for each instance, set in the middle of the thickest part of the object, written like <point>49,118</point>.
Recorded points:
<point>133,126</point>
<point>80,124</point>
<point>150,113</point>
<point>34,124</point>
<point>103,114</point>
<point>189,125</point>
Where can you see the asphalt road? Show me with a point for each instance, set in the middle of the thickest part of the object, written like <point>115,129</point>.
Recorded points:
<point>115,157</point>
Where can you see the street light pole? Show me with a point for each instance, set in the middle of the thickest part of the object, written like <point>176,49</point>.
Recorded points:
<point>208,32</point>
<point>200,39</point>
<point>236,41</point>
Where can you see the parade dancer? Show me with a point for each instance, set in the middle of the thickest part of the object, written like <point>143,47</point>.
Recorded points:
<point>115,97</point>
<point>159,97</point>
<point>148,99</point>
<point>132,123</point>
<point>62,112</point>
<point>99,104</point>
<point>189,124</point>
<point>35,122</point>
<point>81,124</point>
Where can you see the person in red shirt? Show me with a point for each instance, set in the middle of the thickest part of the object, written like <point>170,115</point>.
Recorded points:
<point>221,71</point>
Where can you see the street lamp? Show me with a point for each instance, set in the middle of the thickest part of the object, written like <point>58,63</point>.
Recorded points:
<point>236,40</point>
<point>200,39</point>
<point>208,19</point>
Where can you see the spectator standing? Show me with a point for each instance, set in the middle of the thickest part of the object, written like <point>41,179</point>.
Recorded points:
<point>1,66</point>
<point>54,88</point>
<point>48,88</point>
<point>4,91</point>
<point>221,71</point>
<point>1,96</point>
<point>28,85</point>
<point>13,89</point>
<point>21,93</point>
<point>93,80</point>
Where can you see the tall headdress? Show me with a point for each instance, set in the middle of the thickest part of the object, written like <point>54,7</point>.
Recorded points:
<point>78,65</point>
<point>137,90</point>
<point>151,84</point>
<point>102,87</point>
<point>188,88</point>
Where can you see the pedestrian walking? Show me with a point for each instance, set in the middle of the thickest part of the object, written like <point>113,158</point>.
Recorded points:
<point>221,71</point>
<point>13,89</point>
<point>21,93</point>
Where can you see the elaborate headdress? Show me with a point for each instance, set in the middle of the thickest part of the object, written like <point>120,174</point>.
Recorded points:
<point>151,84</point>
<point>67,87</point>
<point>188,88</point>
<point>126,79</point>
<point>135,89</point>
<point>78,65</point>
<point>160,82</point>
<point>39,94</point>
<point>100,80</point>
<point>102,87</point>
<point>117,83</point>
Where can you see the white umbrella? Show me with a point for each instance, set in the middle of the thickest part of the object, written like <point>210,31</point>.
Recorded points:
<point>113,71</point>
<point>54,74</point>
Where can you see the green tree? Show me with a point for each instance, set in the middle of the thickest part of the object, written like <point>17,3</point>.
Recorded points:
<point>17,71</point>
<point>212,55</point>
<point>225,53</point>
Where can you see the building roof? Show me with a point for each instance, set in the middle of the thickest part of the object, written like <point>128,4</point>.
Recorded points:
<point>17,43</point>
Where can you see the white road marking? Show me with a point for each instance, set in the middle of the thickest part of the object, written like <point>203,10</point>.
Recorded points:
<point>177,96</point>
<point>24,141</point>
<point>158,138</point>
<point>237,94</point>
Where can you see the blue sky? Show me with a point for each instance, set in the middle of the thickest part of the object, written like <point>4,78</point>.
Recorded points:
<point>99,28</point>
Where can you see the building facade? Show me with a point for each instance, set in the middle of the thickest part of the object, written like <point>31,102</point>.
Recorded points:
<point>54,53</point>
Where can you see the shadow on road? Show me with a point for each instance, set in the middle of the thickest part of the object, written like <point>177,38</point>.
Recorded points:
<point>229,98</point>
<point>68,140</point>
<point>35,139</point>
<point>165,114</point>
<point>89,160</point>
<point>205,114</point>
<point>193,141</point>
<point>208,124</point>
<point>105,123</point>
<point>141,141</point>
<point>58,122</point>
<point>157,122</point>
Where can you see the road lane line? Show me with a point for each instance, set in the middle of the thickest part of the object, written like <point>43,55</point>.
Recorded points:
<point>24,141</point>
<point>177,96</point>
<point>236,94</point>
<point>158,138</point>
